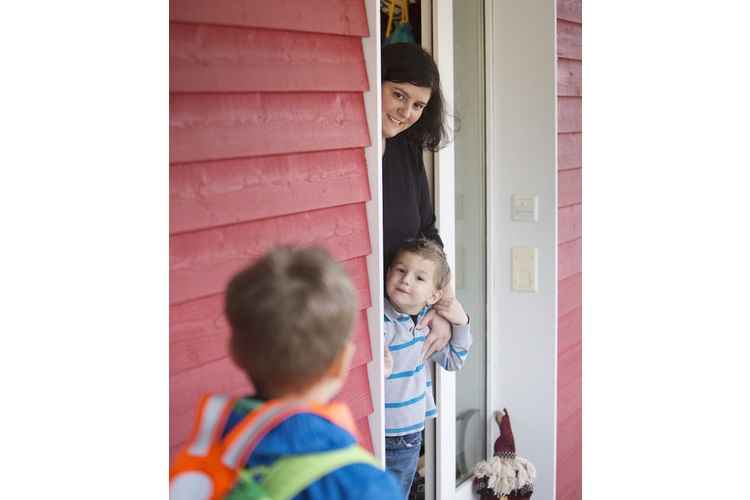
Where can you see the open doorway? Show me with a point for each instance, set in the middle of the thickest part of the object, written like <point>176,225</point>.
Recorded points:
<point>413,17</point>
<point>469,222</point>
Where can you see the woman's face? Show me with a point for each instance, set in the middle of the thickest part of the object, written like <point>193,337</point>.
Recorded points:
<point>403,104</point>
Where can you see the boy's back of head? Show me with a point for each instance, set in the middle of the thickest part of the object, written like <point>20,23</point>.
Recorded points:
<point>291,313</point>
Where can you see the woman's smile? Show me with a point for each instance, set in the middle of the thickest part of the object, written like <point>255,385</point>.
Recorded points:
<point>403,104</point>
<point>395,121</point>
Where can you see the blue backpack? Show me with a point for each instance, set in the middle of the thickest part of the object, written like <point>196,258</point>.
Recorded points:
<point>210,467</point>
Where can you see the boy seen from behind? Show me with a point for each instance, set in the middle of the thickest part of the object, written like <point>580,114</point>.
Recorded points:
<point>291,316</point>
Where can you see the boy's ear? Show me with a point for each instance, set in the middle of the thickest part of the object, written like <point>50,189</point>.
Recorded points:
<point>436,295</point>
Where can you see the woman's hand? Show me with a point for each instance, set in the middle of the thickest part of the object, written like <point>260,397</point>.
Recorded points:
<point>439,336</point>
<point>452,310</point>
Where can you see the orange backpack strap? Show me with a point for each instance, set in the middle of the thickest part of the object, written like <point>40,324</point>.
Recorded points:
<point>197,472</point>
<point>338,413</point>
<point>211,465</point>
<point>240,442</point>
<point>213,413</point>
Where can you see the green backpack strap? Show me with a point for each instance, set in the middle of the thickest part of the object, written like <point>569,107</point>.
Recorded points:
<point>288,476</point>
<point>247,489</point>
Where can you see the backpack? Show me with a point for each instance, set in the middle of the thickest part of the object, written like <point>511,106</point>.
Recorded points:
<point>212,468</point>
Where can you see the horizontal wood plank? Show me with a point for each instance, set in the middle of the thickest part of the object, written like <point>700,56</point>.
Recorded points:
<point>226,59</point>
<point>570,331</point>
<point>569,294</point>
<point>363,353</point>
<point>209,194</point>
<point>569,368</point>
<point>222,126</point>
<point>569,40</point>
<point>569,457</point>
<point>569,395</point>
<point>570,477</point>
<point>201,263</point>
<point>569,151</point>
<point>345,17</point>
<point>569,433</point>
<point>569,77</point>
<point>569,187</point>
<point>569,484</point>
<point>357,269</point>
<point>569,114</point>
<point>569,10</point>
<point>569,223</point>
<point>198,333</point>
<point>365,439</point>
<point>569,259</point>
<point>186,389</point>
<point>356,392</point>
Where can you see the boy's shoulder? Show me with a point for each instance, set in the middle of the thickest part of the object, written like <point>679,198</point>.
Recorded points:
<point>314,444</point>
<point>312,432</point>
<point>392,315</point>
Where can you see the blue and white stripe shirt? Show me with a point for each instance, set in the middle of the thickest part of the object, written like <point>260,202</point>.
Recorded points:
<point>408,391</point>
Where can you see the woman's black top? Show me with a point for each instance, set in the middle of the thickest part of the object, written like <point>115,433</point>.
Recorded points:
<point>407,207</point>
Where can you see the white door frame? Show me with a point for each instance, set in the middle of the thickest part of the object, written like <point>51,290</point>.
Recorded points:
<point>521,159</point>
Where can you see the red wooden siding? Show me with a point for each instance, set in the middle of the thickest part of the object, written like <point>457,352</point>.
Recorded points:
<point>569,356</point>
<point>218,126</point>
<point>244,59</point>
<point>211,194</point>
<point>267,130</point>
<point>343,17</point>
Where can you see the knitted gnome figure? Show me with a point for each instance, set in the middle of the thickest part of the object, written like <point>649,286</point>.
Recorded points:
<point>504,475</point>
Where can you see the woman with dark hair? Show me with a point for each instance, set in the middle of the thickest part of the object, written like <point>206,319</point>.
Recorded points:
<point>414,120</point>
<point>414,113</point>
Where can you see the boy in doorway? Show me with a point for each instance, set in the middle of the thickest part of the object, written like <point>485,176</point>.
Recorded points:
<point>414,284</point>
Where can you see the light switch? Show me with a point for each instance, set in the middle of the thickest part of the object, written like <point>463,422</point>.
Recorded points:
<point>525,208</point>
<point>523,269</point>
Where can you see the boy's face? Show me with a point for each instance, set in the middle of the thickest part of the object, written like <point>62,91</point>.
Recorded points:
<point>410,284</point>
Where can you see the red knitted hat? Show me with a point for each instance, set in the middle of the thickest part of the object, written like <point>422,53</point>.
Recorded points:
<point>505,445</point>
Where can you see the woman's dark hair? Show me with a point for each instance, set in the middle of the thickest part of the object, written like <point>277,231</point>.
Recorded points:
<point>410,63</point>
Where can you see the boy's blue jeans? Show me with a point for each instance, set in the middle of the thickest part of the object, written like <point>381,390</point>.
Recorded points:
<point>402,458</point>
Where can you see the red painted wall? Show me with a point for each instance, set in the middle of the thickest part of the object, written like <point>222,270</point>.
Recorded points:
<point>267,128</point>
<point>569,355</point>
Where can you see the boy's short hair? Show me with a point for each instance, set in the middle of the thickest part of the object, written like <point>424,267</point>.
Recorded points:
<point>431,251</point>
<point>290,313</point>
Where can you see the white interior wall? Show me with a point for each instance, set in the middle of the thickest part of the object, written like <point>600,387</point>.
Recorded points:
<point>522,149</point>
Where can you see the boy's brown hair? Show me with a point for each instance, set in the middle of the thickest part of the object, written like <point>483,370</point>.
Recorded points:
<point>291,313</point>
<point>428,249</point>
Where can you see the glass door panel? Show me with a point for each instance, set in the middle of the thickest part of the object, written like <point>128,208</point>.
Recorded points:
<point>470,258</point>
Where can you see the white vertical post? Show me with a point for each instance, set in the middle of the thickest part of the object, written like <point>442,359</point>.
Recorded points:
<point>493,238</point>
<point>445,386</point>
<point>373,156</point>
